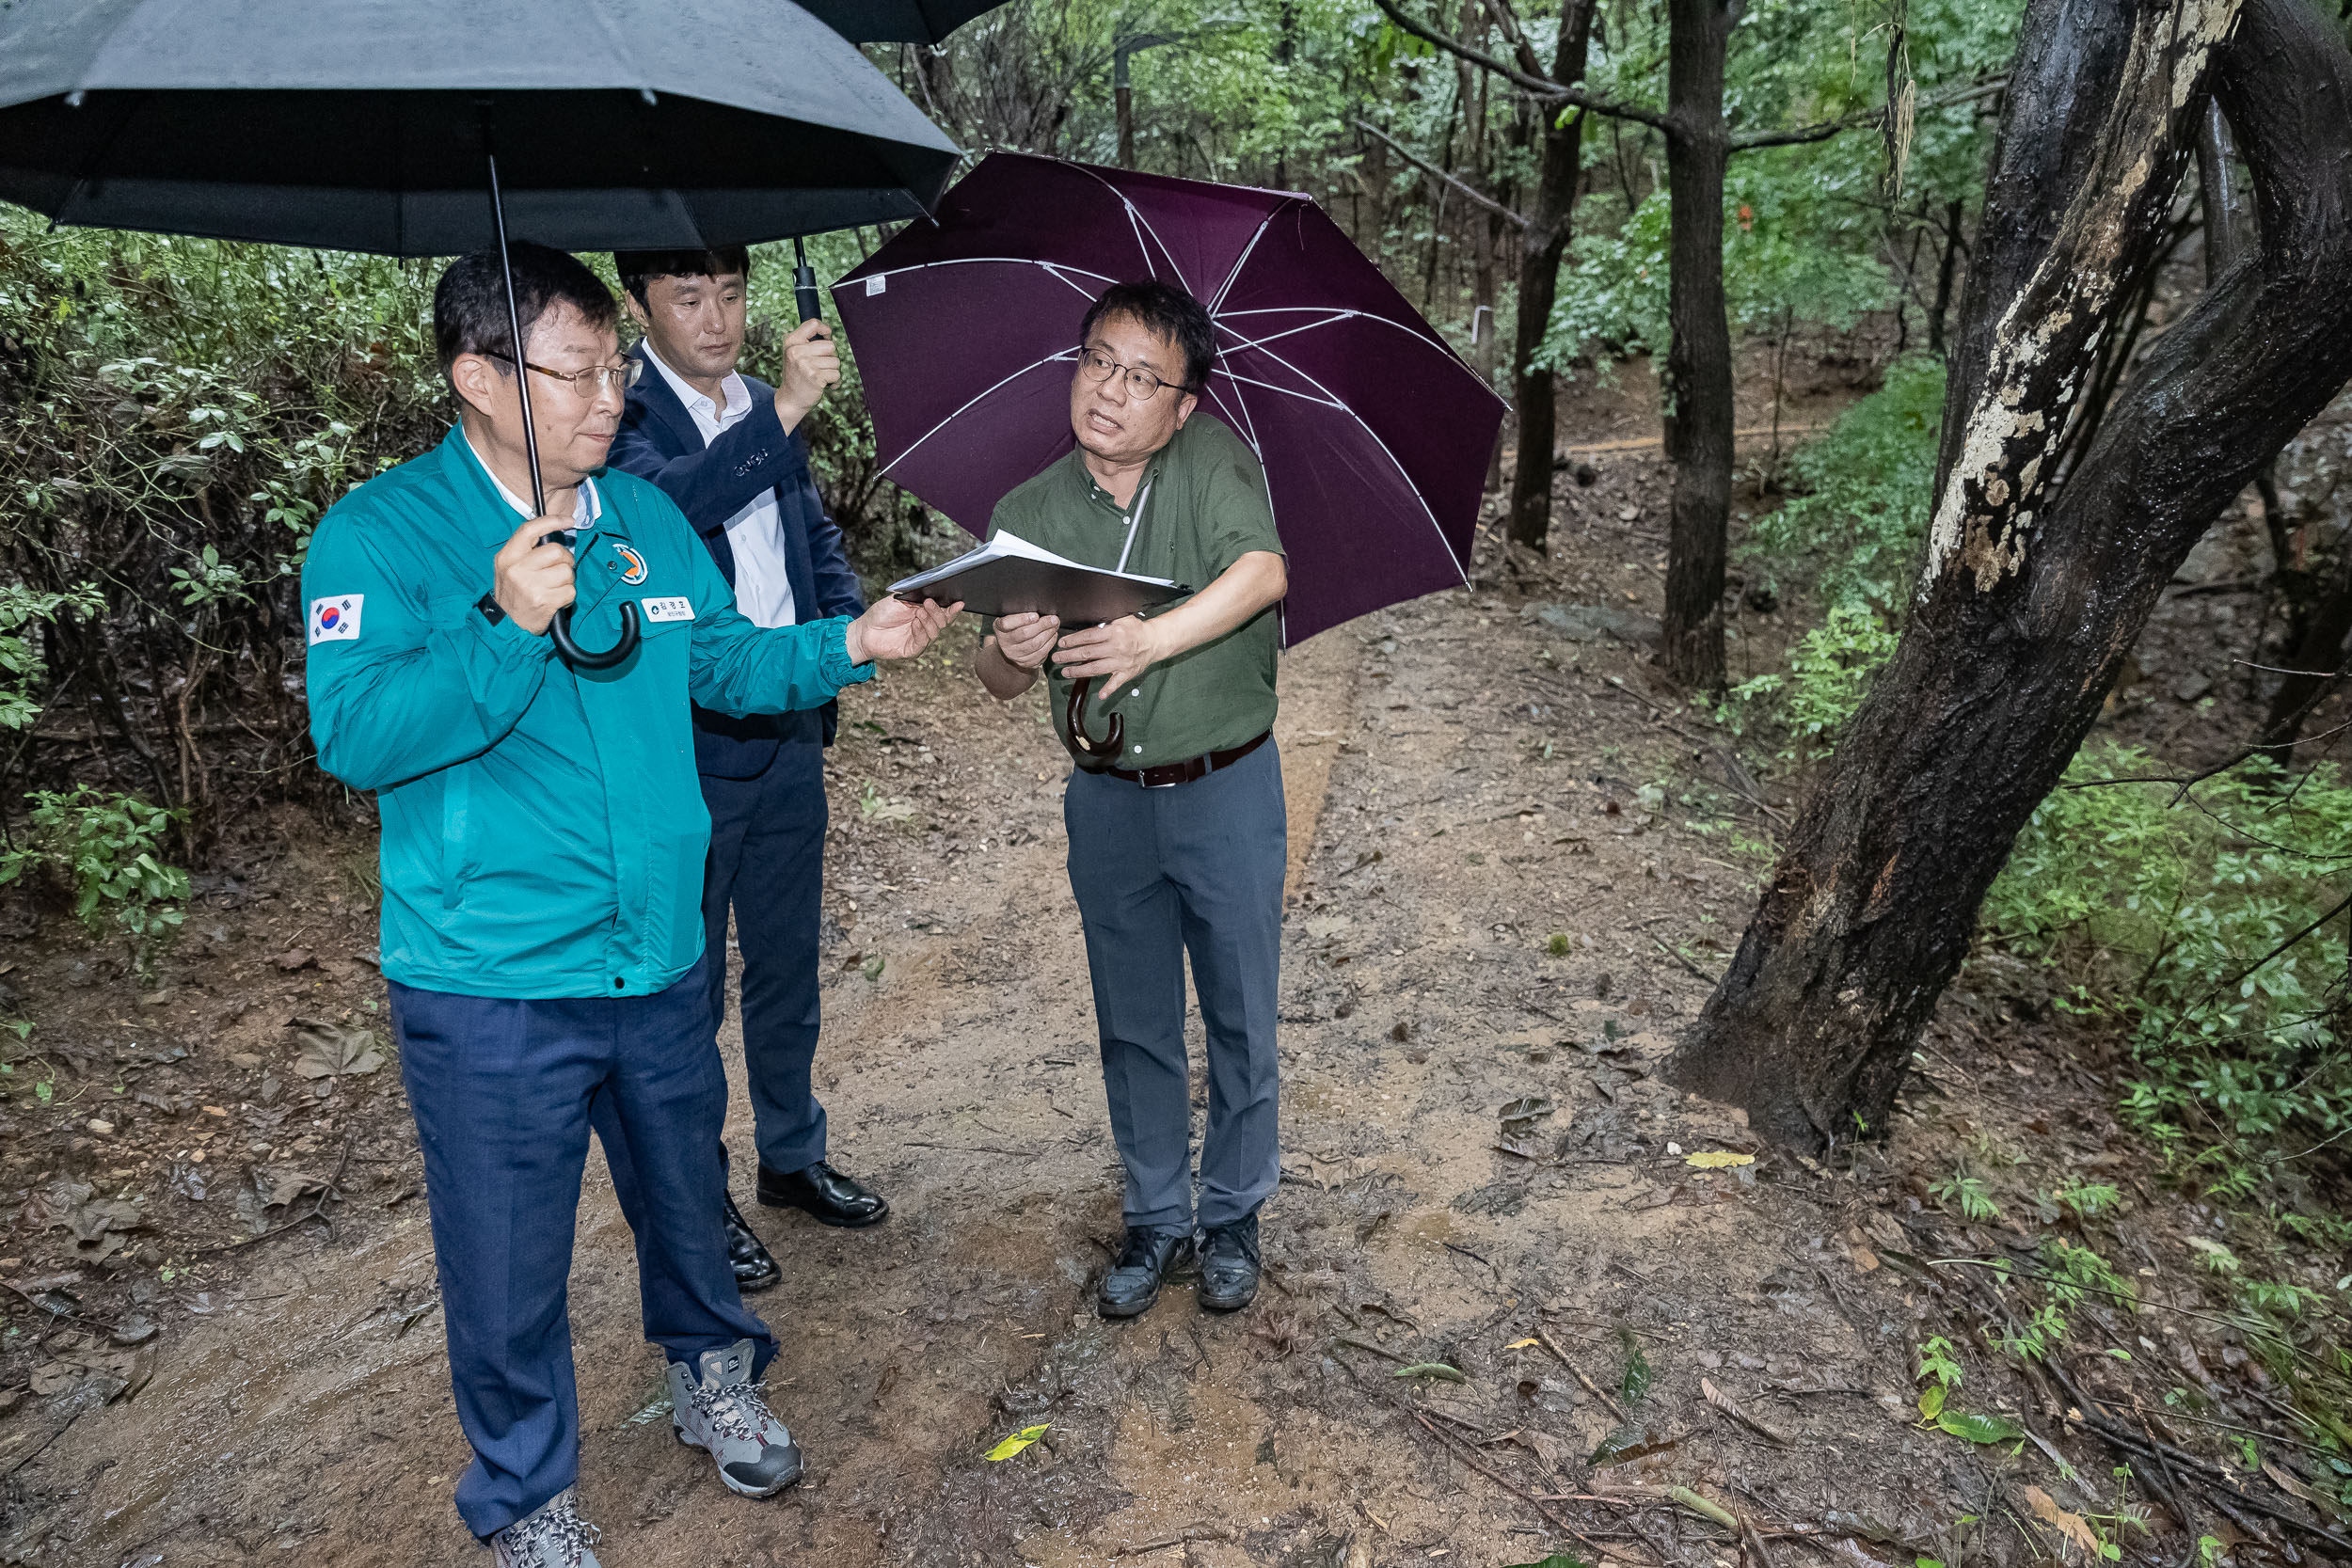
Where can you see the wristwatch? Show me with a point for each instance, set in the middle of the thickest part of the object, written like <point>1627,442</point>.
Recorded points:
<point>491,609</point>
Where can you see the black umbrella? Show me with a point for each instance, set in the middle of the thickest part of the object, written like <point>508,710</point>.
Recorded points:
<point>897,21</point>
<point>382,125</point>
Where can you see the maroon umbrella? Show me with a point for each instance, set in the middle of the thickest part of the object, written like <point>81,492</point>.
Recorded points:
<point>1375,433</point>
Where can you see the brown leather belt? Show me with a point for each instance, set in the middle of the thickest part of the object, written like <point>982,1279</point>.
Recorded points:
<point>1170,774</point>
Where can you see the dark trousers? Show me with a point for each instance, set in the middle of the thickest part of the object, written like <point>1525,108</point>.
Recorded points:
<point>767,861</point>
<point>505,1094</point>
<point>1159,874</point>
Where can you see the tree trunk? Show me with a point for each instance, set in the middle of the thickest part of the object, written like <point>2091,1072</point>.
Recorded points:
<point>1953,216</point>
<point>1697,386</point>
<point>1545,241</point>
<point>2029,602</point>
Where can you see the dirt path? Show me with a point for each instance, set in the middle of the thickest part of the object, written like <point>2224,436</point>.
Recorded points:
<point>1503,902</point>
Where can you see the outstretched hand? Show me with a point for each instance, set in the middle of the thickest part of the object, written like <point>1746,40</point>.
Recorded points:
<point>896,628</point>
<point>1114,652</point>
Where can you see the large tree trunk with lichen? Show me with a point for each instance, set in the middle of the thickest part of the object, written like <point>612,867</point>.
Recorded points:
<point>1698,361</point>
<point>1543,243</point>
<point>2029,599</point>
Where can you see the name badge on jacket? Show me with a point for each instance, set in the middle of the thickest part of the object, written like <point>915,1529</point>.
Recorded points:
<point>678,608</point>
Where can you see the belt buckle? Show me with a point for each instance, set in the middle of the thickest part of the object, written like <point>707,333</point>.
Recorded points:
<point>1166,767</point>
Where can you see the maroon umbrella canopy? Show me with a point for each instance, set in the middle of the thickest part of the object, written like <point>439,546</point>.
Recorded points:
<point>1375,433</point>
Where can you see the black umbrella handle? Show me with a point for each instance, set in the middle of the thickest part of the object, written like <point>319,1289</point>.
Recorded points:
<point>1092,756</point>
<point>580,659</point>
<point>804,285</point>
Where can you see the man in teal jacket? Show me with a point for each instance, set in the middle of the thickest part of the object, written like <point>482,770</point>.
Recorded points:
<point>543,836</point>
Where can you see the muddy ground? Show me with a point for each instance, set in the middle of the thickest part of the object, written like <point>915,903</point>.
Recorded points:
<point>1516,862</point>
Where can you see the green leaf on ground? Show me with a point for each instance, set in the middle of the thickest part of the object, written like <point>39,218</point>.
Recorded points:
<point>1015,1443</point>
<point>1977,1429</point>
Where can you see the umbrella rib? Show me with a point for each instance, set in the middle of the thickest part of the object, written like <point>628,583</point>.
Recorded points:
<point>1250,424</point>
<point>961,408</point>
<point>1141,225</point>
<point>1451,553</point>
<point>1257,448</point>
<point>1227,287</point>
<point>1326,401</point>
<point>1057,268</point>
<point>1329,320</point>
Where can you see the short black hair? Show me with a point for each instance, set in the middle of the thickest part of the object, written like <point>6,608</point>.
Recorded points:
<point>1167,311</point>
<point>469,304</point>
<point>640,267</point>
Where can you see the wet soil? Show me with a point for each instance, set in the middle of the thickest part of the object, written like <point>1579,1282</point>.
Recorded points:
<point>1509,1295</point>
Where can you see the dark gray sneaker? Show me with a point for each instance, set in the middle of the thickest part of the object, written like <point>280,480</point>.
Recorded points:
<point>1229,1265</point>
<point>555,1536</point>
<point>716,1406</point>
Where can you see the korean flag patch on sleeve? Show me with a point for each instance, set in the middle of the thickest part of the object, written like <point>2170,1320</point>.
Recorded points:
<point>335,620</point>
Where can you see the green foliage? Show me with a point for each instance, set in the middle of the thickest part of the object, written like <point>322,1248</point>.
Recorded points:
<point>21,669</point>
<point>1867,488</point>
<point>1829,672</point>
<point>2195,929</point>
<point>2088,1201</point>
<point>105,850</point>
<point>1966,1192</point>
<point>1634,1385</point>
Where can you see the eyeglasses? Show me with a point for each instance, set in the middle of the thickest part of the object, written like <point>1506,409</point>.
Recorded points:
<point>591,382</point>
<point>1141,383</point>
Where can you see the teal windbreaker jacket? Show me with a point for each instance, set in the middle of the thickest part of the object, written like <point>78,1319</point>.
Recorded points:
<point>542,829</point>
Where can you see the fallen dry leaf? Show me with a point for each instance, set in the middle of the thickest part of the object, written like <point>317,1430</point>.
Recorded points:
<point>1717,1159</point>
<point>2071,1526</point>
<point>293,959</point>
<point>335,1051</point>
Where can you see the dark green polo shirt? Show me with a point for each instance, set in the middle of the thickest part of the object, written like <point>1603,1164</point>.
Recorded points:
<point>1204,507</point>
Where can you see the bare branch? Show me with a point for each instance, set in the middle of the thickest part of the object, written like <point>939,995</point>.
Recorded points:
<point>1537,85</point>
<point>1426,167</point>
<point>1873,118</point>
<point>1508,20</point>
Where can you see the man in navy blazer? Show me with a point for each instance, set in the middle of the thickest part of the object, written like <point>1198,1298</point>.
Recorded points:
<point>726,448</point>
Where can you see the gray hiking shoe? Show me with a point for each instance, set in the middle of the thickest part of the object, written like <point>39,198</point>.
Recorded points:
<point>722,1410</point>
<point>555,1536</point>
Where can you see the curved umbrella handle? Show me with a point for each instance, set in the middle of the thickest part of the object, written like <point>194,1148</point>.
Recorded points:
<point>1090,755</point>
<point>580,659</point>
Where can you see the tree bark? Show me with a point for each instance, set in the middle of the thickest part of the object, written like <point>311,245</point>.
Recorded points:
<point>1945,273</point>
<point>2029,601</point>
<point>1545,241</point>
<point>1698,386</point>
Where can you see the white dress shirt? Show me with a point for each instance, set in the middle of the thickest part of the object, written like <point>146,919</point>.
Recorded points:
<point>762,584</point>
<point>587,506</point>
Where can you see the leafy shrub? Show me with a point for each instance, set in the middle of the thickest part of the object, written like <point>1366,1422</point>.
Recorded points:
<point>2198,928</point>
<point>22,669</point>
<point>1829,672</point>
<point>1867,487</point>
<point>103,851</point>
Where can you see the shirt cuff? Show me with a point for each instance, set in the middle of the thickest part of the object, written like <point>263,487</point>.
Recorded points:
<point>834,656</point>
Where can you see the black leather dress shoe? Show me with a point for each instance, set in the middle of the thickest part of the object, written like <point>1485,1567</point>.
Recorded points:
<point>1229,1266</point>
<point>755,1265</point>
<point>1144,1265</point>
<point>824,1192</point>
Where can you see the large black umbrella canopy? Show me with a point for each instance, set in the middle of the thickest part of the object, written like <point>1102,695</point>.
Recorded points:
<point>363,124</point>
<point>899,21</point>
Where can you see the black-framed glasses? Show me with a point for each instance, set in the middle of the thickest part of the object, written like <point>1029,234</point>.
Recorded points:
<point>591,382</point>
<point>1141,383</point>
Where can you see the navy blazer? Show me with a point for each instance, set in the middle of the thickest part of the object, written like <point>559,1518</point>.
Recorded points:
<point>658,440</point>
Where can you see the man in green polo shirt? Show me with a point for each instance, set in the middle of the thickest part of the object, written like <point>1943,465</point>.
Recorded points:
<point>1177,840</point>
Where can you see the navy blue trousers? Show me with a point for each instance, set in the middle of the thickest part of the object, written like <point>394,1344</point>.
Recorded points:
<point>1160,874</point>
<point>767,861</point>
<point>505,1094</point>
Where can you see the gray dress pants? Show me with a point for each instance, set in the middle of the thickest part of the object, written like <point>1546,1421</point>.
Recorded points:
<point>1159,874</point>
